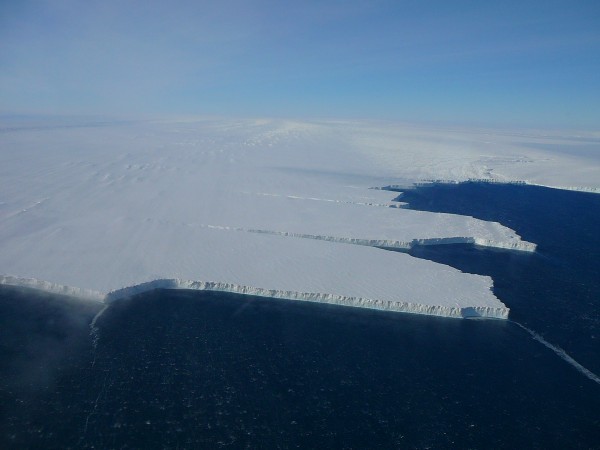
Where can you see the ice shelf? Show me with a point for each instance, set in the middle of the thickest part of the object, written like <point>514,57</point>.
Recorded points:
<point>265,207</point>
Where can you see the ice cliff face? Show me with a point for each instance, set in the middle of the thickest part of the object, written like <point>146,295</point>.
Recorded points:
<point>511,243</point>
<point>273,208</point>
<point>333,299</point>
<point>53,288</point>
<point>395,306</point>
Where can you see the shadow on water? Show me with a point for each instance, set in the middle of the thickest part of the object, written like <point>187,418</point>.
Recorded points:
<point>207,370</point>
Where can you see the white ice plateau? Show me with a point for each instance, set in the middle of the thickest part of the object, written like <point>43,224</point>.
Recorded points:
<point>274,208</point>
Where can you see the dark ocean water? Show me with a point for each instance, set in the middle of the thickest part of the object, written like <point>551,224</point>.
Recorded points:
<point>554,291</point>
<point>180,369</point>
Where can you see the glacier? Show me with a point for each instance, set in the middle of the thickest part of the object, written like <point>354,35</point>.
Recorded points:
<point>275,208</point>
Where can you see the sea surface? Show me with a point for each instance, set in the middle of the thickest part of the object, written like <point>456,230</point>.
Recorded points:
<point>554,291</point>
<point>182,369</point>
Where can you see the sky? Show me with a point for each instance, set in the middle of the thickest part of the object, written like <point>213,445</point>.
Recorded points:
<point>531,63</point>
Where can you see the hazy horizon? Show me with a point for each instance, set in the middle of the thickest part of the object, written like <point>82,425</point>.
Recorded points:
<point>531,64</point>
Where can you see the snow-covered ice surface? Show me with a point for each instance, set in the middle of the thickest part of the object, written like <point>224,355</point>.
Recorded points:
<point>267,207</point>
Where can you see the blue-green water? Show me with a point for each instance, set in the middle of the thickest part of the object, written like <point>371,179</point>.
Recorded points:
<point>180,369</point>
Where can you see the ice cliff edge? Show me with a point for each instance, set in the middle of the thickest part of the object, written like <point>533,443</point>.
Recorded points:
<point>334,299</point>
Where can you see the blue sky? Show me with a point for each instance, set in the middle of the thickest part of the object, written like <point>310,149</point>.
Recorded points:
<point>534,63</point>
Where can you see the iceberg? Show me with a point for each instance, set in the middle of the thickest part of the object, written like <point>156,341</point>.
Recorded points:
<point>282,209</point>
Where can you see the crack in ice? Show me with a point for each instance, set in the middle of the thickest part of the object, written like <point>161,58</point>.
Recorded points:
<point>384,243</point>
<point>329,200</point>
<point>560,352</point>
<point>94,331</point>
